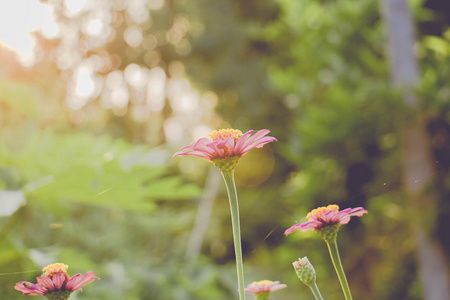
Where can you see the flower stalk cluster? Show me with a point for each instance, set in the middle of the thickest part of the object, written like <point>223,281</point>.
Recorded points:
<point>224,148</point>
<point>326,221</point>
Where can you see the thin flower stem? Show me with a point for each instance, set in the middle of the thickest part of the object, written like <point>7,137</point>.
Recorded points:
<point>315,290</point>
<point>334,253</point>
<point>228,176</point>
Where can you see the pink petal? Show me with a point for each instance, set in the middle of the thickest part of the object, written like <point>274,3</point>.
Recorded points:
<point>263,141</point>
<point>311,225</point>
<point>193,153</point>
<point>278,287</point>
<point>346,214</point>
<point>46,282</point>
<point>292,229</point>
<point>28,288</point>
<point>214,147</point>
<point>264,287</point>
<point>255,137</point>
<point>58,280</point>
<point>328,216</point>
<point>76,282</point>
<point>259,143</point>
<point>344,219</point>
<point>201,146</point>
<point>303,226</point>
<point>241,141</point>
<point>252,290</point>
<point>358,211</point>
<point>227,143</point>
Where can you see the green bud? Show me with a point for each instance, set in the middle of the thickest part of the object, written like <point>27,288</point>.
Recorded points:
<point>305,271</point>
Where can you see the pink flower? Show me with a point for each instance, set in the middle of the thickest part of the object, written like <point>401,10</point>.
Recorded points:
<point>55,280</point>
<point>327,216</point>
<point>226,143</point>
<point>264,286</point>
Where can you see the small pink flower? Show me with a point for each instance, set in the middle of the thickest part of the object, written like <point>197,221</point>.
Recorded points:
<point>226,143</point>
<point>55,279</point>
<point>327,216</point>
<point>264,286</point>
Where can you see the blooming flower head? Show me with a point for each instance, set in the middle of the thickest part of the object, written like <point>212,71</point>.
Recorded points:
<point>305,270</point>
<point>326,220</point>
<point>224,147</point>
<point>55,283</point>
<point>263,288</point>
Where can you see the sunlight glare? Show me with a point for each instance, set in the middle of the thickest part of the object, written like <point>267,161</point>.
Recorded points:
<point>136,76</point>
<point>74,7</point>
<point>84,82</point>
<point>137,10</point>
<point>155,4</point>
<point>133,36</point>
<point>18,19</point>
<point>173,130</point>
<point>95,27</point>
<point>115,93</point>
<point>156,90</point>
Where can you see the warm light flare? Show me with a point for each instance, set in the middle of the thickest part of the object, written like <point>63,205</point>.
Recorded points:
<point>15,33</point>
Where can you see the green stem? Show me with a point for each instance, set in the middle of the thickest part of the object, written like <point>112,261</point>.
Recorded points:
<point>315,290</point>
<point>334,253</point>
<point>228,176</point>
<point>262,296</point>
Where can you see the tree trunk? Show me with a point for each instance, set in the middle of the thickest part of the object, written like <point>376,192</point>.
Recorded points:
<point>417,165</point>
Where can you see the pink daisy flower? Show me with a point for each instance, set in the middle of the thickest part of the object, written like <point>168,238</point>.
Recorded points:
<point>55,282</point>
<point>264,286</point>
<point>327,216</point>
<point>226,143</point>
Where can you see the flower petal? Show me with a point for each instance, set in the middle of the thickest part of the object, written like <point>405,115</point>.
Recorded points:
<point>199,146</point>
<point>28,288</point>
<point>278,287</point>
<point>258,143</point>
<point>264,286</point>
<point>194,153</point>
<point>226,145</point>
<point>77,281</point>
<point>73,282</point>
<point>241,141</point>
<point>58,280</point>
<point>46,281</point>
<point>255,137</point>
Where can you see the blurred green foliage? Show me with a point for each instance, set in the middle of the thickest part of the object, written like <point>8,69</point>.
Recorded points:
<point>100,196</point>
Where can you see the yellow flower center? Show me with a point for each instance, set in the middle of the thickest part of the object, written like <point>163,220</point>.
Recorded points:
<point>261,282</point>
<point>54,268</point>
<point>318,212</point>
<point>223,134</point>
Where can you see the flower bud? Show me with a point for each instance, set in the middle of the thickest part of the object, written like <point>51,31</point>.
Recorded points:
<point>305,271</point>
